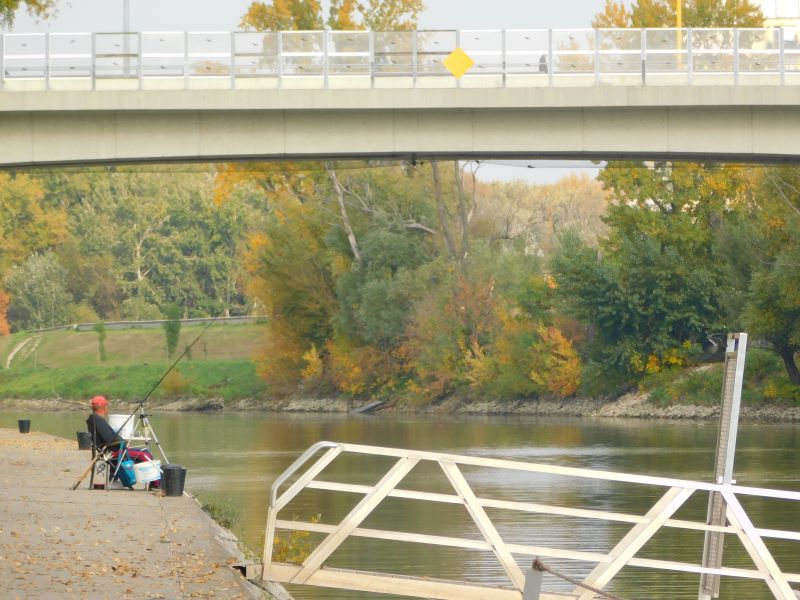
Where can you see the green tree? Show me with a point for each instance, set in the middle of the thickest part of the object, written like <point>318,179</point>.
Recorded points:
<point>656,286</point>
<point>768,256</point>
<point>36,8</point>
<point>100,330</point>
<point>696,13</point>
<point>39,296</point>
<point>172,328</point>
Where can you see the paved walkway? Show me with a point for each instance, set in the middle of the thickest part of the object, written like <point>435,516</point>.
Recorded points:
<point>58,543</point>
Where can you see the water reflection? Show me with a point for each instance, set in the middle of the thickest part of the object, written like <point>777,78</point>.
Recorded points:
<point>235,457</point>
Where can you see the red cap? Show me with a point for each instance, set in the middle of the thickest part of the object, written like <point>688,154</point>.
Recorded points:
<point>99,402</point>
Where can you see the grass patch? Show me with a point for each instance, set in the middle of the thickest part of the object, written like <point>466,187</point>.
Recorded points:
<point>66,349</point>
<point>765,381</point>
<point>226,379</point>
<point>223,511</point>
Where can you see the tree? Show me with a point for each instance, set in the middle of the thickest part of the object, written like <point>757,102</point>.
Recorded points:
<point>656,286</point>
<point>5,328</point>
<point>696,13</point>
<point>305,15</point>
<point>100,330</point>
<point>36,8</point>
<point>28,224</point>
<point>39,296</point>
<point>769,228</point>
<point>172,328</point>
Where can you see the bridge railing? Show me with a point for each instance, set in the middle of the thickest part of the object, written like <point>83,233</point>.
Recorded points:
<point>366,59</point>
<point>506,548</point>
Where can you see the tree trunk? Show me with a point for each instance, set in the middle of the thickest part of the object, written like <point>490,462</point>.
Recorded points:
<point>443,214</point>
<point>351,236</point>
<point>787,354</point>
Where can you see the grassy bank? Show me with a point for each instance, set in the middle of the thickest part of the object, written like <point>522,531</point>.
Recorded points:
<point>765,382</point>
<point>230,380</point>
<point>66,349</point>
<point>66,364</point>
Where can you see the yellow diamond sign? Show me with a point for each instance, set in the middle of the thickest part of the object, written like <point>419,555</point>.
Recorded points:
<point>458,63</point>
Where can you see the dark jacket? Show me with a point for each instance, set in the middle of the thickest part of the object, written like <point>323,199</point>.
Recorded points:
<point>102,433</point>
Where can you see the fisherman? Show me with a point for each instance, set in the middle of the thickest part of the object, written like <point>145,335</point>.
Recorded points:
<point>104,436</point>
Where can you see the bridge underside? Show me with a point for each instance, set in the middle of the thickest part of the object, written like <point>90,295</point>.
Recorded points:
<point>722,124</point>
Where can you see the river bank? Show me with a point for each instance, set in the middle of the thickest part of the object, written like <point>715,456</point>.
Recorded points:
<point>59,543</point>
<point>634,405</point>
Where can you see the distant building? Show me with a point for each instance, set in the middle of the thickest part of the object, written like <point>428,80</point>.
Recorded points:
<point>781,13</point>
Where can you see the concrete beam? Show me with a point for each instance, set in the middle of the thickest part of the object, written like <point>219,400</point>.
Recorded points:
<point>750,124</point>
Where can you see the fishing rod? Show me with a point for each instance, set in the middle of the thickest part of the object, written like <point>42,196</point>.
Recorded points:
<point>145,399</point>
<point>167,372</point>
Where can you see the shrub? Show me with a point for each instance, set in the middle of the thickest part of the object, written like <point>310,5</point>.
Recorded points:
<point>176,384</point>
<point>295,547</point>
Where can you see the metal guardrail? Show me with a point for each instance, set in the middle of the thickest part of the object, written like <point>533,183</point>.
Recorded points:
<point>151,324</point>
<point>330,59</point>
<point>313,571</point>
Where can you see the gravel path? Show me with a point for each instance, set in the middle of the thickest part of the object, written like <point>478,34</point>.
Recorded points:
<point>58,543</point>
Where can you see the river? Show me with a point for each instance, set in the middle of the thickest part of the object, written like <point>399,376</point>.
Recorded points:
<point>233,457</point>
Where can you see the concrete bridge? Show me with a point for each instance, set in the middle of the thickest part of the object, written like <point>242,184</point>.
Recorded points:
<point>722,94</point>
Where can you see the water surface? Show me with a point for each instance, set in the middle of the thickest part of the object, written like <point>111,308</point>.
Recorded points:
<point>233,459</point>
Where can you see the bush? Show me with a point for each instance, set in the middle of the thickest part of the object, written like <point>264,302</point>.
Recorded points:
<point>176,384</point>
<point>782,389</point>
<point>762,365</point>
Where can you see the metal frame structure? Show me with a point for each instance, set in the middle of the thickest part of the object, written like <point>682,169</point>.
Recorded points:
<point>323,59</point>
<point>304,475</point>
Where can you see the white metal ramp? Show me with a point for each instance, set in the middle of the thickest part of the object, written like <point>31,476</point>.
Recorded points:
<point>674,494</point>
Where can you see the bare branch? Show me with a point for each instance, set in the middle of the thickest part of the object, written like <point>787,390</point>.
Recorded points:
<point>351,236</point>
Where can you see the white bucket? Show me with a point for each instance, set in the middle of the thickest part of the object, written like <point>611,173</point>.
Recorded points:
<point>147,471</point>
<point>116,422</point>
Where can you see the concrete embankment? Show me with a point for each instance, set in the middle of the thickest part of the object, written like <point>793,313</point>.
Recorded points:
<point>630,406</point>
<point>59,543</point>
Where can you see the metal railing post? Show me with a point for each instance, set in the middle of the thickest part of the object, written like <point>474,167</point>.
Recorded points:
<point>782,55</point>
<point>735,56</point>
<point>93,60</point>
<point>690,56</point>
<point>279,59</point>
<point>371,58</point>
<point>458,45</point>
<point>140,59</point>
<point>186,60</point>
<point>643,53</point>
<point>504,58</point>
<point>233,60</point>
<point>596,56</point>
<point>533,585</point>
<point>325,60</point>
<point>47,61</point>
<point>551,67</point>
<point>415,56</point>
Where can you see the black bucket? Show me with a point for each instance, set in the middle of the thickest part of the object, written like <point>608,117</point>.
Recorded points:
<point>173,478</point>
<point>24,425</point>
<point>84,440</point>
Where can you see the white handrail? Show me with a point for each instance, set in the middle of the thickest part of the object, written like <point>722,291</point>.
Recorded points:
<point>609,564</point>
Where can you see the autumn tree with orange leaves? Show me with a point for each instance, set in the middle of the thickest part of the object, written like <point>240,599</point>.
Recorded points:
<point>305,15</point>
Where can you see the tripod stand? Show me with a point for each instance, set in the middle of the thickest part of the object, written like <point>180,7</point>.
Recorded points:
<point>144,432</point>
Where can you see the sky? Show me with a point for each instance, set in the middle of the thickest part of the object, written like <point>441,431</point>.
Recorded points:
<point>225,15</point>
